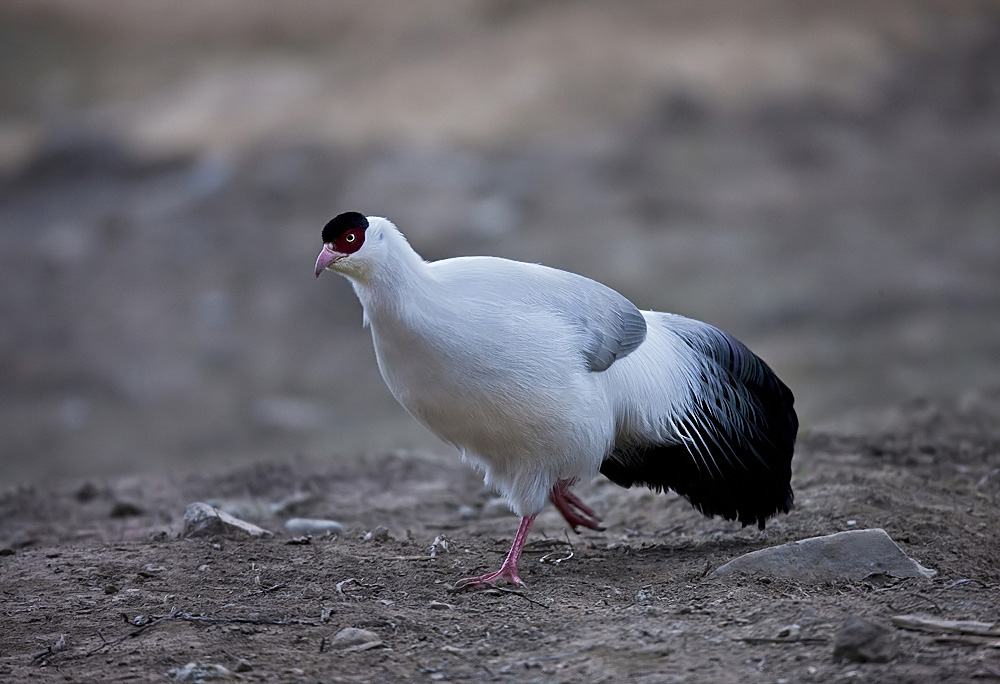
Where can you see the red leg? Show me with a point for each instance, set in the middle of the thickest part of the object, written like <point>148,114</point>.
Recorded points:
<point>507,571</point>
<point>575,512</point>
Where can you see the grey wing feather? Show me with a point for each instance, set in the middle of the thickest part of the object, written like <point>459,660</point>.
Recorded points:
<point>612,326</point>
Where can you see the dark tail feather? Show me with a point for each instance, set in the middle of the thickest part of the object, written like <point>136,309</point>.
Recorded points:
<point>737,469</point>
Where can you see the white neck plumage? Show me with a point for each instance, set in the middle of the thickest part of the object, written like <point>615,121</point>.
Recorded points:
<point>392,276</point>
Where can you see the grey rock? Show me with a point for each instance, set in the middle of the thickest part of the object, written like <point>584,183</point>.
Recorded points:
<point>354,639</point>
<point>201,672</point>
<point>854,555</point>
<point>861,641</point>
<point>314,526</point>
<point>202,520</point>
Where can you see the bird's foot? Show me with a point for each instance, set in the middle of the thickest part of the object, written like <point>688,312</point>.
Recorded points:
<point>507,571</point>
<point>489,580</point>
<point>575,512</point>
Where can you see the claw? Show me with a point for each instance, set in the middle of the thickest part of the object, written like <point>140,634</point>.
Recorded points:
<point>575,512</point>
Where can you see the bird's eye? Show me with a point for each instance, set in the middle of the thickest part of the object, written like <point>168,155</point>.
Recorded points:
<point>351,237</point>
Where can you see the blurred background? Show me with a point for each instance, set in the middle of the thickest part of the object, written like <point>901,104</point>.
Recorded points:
<point>820,179</point>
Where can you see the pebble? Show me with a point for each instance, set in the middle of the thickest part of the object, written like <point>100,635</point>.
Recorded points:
<point>354,639</point>
<point>466,512</point>
<point>201,672</point>
<point>314,526</point>
<point>861,641</point>
<point>854,555</point>
<point>201,520</point>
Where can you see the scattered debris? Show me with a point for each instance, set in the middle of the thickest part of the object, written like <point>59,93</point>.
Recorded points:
<point>313,526</point>
<point>440,605</point>
<point>440,543</point>
<point>963,631</point>
<point>202,520</point>
<point>343,583</point>
<point>299,541</point>
<point>280,585</point>
<point>352,639</point>
<point>199,672</point>
<point>45,655</point>
<point>861,641</point>
<point>379,535</point>
<point>855,555</point>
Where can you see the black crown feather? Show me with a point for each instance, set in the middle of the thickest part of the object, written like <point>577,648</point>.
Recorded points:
<point>342,223</point>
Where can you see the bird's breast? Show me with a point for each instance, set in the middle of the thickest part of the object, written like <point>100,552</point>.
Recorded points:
<point>489,392</point>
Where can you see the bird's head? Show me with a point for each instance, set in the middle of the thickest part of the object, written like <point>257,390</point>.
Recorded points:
<point>349,241</point>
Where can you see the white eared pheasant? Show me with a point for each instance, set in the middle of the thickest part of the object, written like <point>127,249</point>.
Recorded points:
<point>542,377</point>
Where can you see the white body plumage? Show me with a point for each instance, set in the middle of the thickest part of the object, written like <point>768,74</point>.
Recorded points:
<point>541,377</point>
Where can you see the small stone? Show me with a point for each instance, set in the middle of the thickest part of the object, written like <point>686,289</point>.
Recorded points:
<point>354,639</point>
<point>201,672</point>
<point>439,605</point>
<point>315,526</point>
<point>202,520</point>
<point>243,665</point>
<point>861,641</point>
<point>466,512</point>
<point>379,535</point>
<point>111,589</point>
<point>790,632</point>
<point>299,541</point>
<point>125,509</point>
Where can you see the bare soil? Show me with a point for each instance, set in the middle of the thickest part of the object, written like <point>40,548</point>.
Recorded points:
<point>98,586</point>
<point>821,180</point>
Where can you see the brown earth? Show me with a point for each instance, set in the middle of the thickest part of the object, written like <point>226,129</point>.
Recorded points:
<point>84,592</point>
<point>821,180</point>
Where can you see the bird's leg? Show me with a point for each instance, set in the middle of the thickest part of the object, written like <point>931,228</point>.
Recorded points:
<point>507,571</point>
<point>576,513</point>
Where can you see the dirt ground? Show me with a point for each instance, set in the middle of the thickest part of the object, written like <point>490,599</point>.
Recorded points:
<point>90,570</point>
<point>821,180</point>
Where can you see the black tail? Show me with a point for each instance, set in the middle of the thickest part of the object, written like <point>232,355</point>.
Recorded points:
<point>733,455</point>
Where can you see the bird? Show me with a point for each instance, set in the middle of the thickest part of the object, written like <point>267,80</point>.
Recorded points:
<point>542,378</point>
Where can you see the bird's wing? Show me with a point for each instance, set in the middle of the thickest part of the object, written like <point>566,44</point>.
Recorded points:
<point>611,327</point>
<point>605,325</point>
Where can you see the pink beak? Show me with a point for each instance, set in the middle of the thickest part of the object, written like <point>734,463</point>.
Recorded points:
<point>326,257</point>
